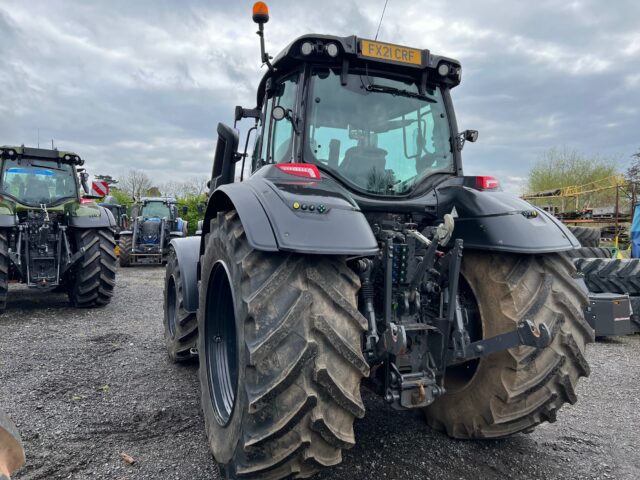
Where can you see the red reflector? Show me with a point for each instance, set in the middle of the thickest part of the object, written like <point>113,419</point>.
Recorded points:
<point>300,170</point>
<point>84,201</point>
<point>487,183</point>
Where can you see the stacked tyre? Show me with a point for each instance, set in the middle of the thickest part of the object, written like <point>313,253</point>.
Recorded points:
<point>587,236</point>
<point>613,275</point>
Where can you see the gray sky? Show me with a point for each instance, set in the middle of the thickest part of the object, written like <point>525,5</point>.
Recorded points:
<point>142,84</point>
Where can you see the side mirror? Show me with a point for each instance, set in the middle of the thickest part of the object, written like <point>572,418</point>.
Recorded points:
<point>241,112</point>
<point>185,210</point>
<point>279,113</point>
<point>84,178</point>
<point>470,135</point>
<point>200,209</point>
<point>225,158</point>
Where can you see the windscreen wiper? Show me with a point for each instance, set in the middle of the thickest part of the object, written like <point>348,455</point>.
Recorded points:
<point>398,92</point>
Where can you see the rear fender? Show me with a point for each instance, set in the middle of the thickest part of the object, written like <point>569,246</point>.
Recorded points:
<point>499,221</point>
<point>280,212</point>
<point>104,219</point>
<point>188,253</point>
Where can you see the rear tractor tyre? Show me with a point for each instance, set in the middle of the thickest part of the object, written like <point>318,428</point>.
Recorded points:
<point>590,252</point>
<point>94,276</point>
<point>515,390</point>
<point>4,270</point>
<point>180,326</point>
<point>280,356</point>
<point>126,248</point>
<point>587,236</point>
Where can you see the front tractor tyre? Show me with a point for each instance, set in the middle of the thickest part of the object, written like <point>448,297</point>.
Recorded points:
<point>280,356</point>
<point>126,249</point>
<point>514,390</point>
<point>180,326</point>
<point>93,278</point>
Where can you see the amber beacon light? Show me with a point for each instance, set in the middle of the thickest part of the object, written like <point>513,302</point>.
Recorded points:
<point>260,12</point>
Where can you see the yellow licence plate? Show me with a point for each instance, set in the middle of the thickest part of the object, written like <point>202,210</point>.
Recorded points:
<point>390,52</point>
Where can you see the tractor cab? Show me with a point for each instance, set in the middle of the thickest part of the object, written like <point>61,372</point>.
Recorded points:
<point>118,211</point>
<point>375,116</point>
<point>35,177</point>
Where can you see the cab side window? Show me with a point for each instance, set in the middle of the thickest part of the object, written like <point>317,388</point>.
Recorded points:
<point>281,145</point>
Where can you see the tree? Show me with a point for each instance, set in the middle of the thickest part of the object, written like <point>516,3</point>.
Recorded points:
<point>564,167</point>
<point>153,192</point>
<point>196,205</point>
<point>195,186</point>
<point>122,198</point>
<point>633,172</point>
<point>106,178</point>
<point>198,185</point>
<point>135,183</point>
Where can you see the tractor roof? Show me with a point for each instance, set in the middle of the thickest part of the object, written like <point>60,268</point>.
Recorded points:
<point>158,199</point>
<point>9,151</point>
<point>362,52</point>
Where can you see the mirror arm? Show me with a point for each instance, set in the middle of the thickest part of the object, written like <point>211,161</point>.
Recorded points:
<point>246,146</point>
<point>294,121</point>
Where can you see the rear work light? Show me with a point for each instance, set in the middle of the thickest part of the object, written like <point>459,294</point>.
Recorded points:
<point>485,182</point>
<point>300,170</point>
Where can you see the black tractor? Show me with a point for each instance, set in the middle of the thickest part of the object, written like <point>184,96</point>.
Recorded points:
<point>52,237</point>
<point>155,222</point>
<point>358,253</point>
<point>119,213</point>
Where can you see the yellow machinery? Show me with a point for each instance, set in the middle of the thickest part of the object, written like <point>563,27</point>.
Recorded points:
<point>576,191</point>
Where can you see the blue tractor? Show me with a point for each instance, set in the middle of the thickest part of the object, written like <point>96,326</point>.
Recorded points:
<point>155,223</point>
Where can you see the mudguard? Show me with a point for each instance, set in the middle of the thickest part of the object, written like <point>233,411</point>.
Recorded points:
<point>500,221</point>
<point>105,220</point>
<point>188,254</point>
<point>282,212</point>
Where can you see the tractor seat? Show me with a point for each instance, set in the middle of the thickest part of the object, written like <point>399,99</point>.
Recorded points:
<point>360,162</point>
<point>37,190</point>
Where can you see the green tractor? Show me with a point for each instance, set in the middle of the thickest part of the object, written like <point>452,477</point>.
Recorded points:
<point>51,237</point>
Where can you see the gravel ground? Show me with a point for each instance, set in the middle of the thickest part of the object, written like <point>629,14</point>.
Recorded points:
<point>83,386</point>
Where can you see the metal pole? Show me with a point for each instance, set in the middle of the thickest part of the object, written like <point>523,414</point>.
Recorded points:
<point>615,240</point>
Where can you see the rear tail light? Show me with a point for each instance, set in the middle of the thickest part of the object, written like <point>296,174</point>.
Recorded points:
<point>300,170</point>
<point>84,201</point>
<point>485,182</point>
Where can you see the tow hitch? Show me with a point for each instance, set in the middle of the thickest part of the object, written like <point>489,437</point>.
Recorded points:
<point>527,334</point>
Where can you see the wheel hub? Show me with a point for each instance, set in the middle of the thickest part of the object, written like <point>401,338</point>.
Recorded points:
<point>221,344</point>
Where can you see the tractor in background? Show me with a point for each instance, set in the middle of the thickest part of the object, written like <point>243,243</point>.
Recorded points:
<point>53,234</point>
<point>155,222</point>
<point>119,213</point>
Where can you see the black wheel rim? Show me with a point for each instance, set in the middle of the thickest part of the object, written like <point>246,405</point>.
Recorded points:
<point>221,344</point>
<point>171,307</point>
<point>459,376</point>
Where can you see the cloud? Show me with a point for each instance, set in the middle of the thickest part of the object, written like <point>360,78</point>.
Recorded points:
<point>143,84</point>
